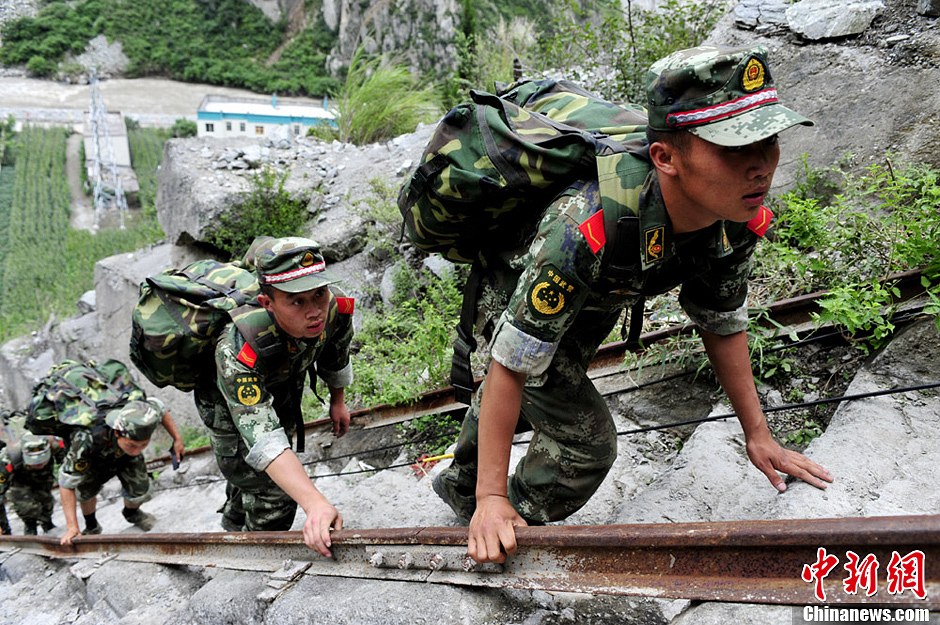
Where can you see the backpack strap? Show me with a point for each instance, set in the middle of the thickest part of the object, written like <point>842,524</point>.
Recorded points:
<point>622,225</point>
<point>271,352</point>
<point>461,374</point>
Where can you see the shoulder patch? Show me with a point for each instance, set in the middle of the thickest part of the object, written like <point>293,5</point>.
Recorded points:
<point>593,230</point>
<point>345,305</point>
<point>550,293</point>
<point>761,222</point>
<point>247,356</point>
<point>653,246</point>
<point>247,389</point>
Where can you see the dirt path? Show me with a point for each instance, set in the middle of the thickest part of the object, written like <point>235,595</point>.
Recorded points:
<point>83,213</point>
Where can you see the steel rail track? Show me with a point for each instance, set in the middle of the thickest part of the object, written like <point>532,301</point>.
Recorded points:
<point>606,362</point>
<point>740,561</point>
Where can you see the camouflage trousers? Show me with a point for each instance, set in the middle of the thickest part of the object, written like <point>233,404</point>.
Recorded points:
<point>253,501</point>
<point>4,521</point>
<point>573,446</point>
<point>31,504</point>
<point>130,470</point>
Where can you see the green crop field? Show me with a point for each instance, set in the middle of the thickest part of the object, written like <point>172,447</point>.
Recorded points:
<point>45,265</point>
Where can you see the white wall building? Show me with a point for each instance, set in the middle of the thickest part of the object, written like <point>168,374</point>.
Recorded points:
<point>223,116</point>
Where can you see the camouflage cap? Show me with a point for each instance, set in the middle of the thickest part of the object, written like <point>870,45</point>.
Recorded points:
<point>291,264</point>
<point>136,419</point>
<point>725,96</point>
<point>35,449</point>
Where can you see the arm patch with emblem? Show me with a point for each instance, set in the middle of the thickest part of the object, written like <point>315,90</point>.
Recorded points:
<point>550,294</point>
<point>247,389</point>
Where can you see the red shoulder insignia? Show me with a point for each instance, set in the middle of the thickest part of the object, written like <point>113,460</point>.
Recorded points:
<point>247,356</point>
<point>9,468</point>
<point>761,222</point>
<point>593,230</point>
<point>345,305</point>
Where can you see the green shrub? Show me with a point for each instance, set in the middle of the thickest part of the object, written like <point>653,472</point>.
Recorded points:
<point>183,127</point>
<point>267,209</point>
<point>405,349</point>
<point>226,42</point>
<point>610,49</point>
<point>880,222</point>
<point>380,100</point>
<point>146,146</point>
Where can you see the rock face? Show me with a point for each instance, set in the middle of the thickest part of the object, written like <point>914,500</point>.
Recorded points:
<point>420,31</point>
<point>828,19</point>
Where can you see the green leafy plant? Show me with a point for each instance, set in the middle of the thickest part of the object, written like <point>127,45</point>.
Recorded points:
<point>428,434</point>
<point>803,436</point>
<point>405,349</point>
<point>380,100</point>
<point>862,312</point>
<point>183,127</point>
<point>267,209</point>
<point>879,222</point>
<point>609,47</point>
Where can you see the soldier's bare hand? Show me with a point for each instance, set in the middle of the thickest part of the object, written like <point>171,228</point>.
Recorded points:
<point>70,533</point>
<point>339,415</point>
<point>770,458</point>
<point>320,520</point>
<point>492,533</point>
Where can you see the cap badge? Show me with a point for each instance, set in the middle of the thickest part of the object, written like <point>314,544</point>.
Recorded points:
<point>754,74</point>
<point>307,260</point>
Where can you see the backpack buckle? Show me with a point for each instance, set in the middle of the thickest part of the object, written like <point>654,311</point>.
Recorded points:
<point>461,375</point>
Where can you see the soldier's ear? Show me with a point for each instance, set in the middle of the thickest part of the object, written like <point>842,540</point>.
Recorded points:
<point>663,155</point>
<point>265,301</point>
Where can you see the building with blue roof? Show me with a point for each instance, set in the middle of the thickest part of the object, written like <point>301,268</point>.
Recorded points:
<point>224,116</point>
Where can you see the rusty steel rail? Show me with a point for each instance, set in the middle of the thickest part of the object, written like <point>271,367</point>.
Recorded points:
<point>741,561</point>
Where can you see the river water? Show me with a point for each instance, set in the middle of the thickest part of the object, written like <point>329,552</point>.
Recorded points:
<point>152,101</point>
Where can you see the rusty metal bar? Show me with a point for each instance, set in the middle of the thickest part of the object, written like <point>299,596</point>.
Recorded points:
<point>741,561</point>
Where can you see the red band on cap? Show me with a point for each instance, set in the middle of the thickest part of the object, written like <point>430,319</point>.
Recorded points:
<point>293,274</point>
<point>721,111</point>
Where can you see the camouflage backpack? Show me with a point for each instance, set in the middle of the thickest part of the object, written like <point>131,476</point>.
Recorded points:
<point>77,394</point>
<point>494,164</point>
<point>179,316</point>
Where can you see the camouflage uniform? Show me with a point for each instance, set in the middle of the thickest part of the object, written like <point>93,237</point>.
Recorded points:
<point>241,409</point>
<point>547,310</point>
<point>30,490</point>
<point>94,457</point>
<point>4,521</point>
<point>579,272</point>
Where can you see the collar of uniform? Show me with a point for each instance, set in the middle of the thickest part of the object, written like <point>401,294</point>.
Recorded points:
<point>657,241</point>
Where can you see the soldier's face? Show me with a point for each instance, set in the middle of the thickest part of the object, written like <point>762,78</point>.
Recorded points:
<point>726,183</point>
<point>132,447</point>
<point>301,315</point>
